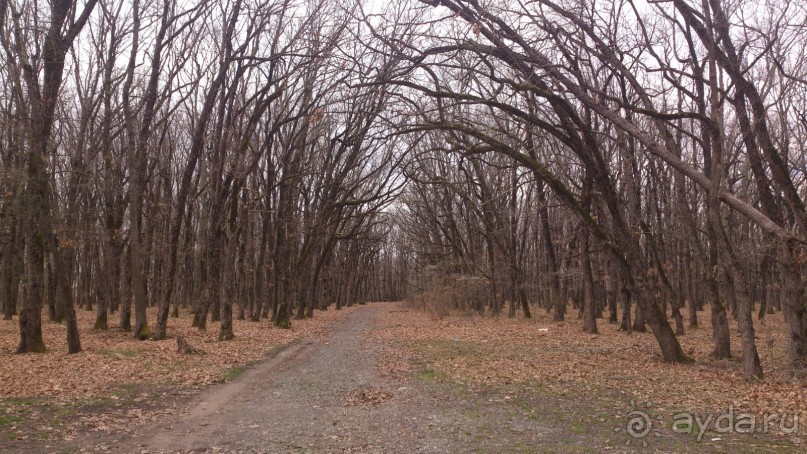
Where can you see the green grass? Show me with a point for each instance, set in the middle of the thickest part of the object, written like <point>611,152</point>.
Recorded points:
<point>9,420</point>
<point>21,402</point>
<point>231,374</point>
<point>61,416</point>
<point>8,436</point>
<point>118,352</point>
<point>431,375</point>
<point>276,349</point>
<point>578,427</point>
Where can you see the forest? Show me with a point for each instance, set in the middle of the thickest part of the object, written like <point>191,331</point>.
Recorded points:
<point>636,163</point>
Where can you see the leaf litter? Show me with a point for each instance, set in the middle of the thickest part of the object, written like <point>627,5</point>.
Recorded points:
<point>558,357</point>
<point>113,358</point>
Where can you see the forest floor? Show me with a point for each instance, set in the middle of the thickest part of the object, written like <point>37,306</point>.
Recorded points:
<point>388,378</point>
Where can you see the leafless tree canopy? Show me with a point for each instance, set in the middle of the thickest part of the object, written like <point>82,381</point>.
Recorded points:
<point>634,160</point>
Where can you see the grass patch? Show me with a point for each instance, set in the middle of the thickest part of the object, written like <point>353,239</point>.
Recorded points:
<point>118,352</point>
<point>23,402</point>
<point>578,427</point>
<point>8,436</point>
<point>231,374</point>
<point>60,415</point>
<point>276,349</point>
<point>9,420</point>
<point>431,375</point>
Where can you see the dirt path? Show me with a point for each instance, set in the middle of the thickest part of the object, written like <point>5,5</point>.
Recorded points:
<point>327,396</point>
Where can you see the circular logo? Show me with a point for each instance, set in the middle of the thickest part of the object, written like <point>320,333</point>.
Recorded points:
<point>639,424</point>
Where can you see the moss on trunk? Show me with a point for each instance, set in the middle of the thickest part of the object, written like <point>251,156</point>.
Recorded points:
<point>142,332</point>
<point>282,322</point>
<point>101,321</point>
<point>38,346</point>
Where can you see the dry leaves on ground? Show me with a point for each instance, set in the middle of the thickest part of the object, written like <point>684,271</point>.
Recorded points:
<point>114,358</point>
<point>367,395</point>
<point>560,357</point>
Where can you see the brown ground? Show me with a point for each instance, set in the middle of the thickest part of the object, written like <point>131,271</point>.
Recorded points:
<point>113,358</point>
<point>560,357</point>
<point>391,379</point>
